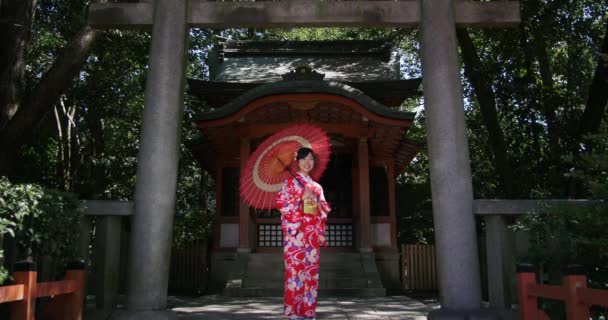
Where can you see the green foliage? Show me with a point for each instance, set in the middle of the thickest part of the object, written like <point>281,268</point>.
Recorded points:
<point>195,196</point>
<point>563,234</point>
<point>541,68</point>
<point>42,222</point>
<point>191,224</point>
<point>591,167</point>
<point>527,81</point>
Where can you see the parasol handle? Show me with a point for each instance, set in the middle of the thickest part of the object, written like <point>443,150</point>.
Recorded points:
<point>291,173</point>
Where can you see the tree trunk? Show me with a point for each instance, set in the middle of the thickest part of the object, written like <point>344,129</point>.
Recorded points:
<point>97,185</point>
<point>43,98</point>
<point>549,100</point>
<point>487,104</point>
<point>593,115</point>
<point>594,112</point>
<point>16,17</point>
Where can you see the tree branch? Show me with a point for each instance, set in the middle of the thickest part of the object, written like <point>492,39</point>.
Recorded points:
<point>487,104</point>
<point>593,115</point>
<point>45,95</point>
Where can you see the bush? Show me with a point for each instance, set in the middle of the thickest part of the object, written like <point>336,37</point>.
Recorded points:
<point>192,224</point>
<point>42,222</point>
<point>563,234</point>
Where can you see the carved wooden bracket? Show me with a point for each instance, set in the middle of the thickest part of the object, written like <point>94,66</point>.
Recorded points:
<point>303,72</point>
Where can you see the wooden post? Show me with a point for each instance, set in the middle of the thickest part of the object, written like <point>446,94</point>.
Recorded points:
<point>75,300</point>
<point>390,172</point>
<point>219,180</point>
<point>528,306</point>
<point>244,245</point>
<point>25,274</point>
<point>68,305</point>
<point>575,280</point>
<point>364,206</point>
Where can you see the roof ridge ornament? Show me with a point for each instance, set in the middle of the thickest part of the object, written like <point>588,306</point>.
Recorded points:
<point>303,72</point>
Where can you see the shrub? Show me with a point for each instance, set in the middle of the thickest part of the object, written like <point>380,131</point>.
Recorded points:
<point>42,221</point>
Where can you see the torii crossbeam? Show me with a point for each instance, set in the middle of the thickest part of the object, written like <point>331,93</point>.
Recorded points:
<point>304,13</point>
<point>451,182</point>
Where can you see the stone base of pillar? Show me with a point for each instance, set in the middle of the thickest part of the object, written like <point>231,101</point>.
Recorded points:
<point>479,314</point>
<point>366,250</point>
<point>143,315</point>
<point>243,250</point>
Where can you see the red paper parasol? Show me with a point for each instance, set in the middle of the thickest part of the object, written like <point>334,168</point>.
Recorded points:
<point>271,163</point>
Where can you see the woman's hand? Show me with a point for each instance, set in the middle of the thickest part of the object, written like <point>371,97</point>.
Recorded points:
<point>322,241</point>
<point>309,193</point>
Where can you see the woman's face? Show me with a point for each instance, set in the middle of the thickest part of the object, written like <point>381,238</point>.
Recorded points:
<point>306,164</point>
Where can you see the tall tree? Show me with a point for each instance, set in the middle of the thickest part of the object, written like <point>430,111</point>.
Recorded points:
<point>595,109</point>
<point>16,18</point>
<point>482,85</point>
<point>21,113</point>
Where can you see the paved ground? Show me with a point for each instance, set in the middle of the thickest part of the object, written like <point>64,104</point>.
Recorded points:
<point>222,308</point>
<point>217,307</point>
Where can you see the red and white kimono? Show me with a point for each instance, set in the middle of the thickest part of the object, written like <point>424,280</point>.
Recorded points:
<point>301,245</point>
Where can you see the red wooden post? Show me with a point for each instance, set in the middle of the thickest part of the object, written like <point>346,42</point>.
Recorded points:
<point>75,300</point>
<point>528,304</point>
<point>244,245</point>
<point>68,306</point>
<point>574,279</point>
<point>25,274</point>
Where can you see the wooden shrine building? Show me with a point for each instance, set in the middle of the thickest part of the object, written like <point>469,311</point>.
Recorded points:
<point>351,89</point>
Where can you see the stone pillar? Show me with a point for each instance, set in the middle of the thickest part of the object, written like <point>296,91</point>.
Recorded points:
<point>107,261</point>
<point>364,205</point>
<point>84,239</point>
<point>496,249</point>
<point>244,245</point>
<point>152,228</point>
<point>451,185</point>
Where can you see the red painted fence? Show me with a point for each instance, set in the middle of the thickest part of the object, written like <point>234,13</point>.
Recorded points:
<point>573,291</point>
<point>67,295</point>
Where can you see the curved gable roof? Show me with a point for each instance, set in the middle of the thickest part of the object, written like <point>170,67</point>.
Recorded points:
<point>303,86</point>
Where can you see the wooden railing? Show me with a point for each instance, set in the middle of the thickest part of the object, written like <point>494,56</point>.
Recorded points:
<point>573,292</point>
<point>67,295</point>
<point>419,267</point>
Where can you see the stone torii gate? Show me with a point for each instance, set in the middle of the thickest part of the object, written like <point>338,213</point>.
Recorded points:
<point>458,261</point>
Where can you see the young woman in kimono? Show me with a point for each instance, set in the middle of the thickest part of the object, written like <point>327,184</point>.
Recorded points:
<point>303,214</point>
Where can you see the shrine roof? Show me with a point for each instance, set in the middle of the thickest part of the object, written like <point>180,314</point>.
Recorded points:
<point>303,86</point>
<point>267,61</point>
<point>391,93</point>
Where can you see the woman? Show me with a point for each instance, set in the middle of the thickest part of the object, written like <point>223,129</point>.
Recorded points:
<point>303,215</point>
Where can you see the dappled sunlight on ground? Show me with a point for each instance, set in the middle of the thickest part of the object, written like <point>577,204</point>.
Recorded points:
<point>215,307</point>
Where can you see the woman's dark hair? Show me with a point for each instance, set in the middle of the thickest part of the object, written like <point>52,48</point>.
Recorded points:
<point>303,153</point>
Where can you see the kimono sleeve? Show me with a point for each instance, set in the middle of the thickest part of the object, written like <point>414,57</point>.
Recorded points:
<point>288,202</point>
<point>324,207</point>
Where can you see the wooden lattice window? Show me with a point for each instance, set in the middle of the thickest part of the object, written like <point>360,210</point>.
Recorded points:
<point>270,235</point>
<point>339,235</point>
<point>336,235</point>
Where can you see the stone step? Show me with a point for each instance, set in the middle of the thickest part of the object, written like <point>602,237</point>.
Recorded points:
<point>348,283</point>
<point>341,274</point>
<point>278,292</point>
